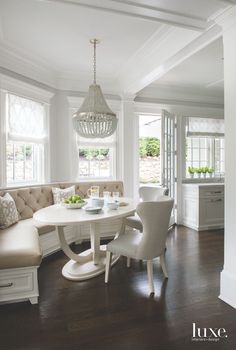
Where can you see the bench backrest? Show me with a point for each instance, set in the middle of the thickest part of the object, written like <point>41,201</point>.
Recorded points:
<point>30,199</point>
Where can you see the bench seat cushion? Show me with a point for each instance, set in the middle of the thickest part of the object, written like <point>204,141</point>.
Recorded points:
<point>19,246</point>
<point>41,228</point>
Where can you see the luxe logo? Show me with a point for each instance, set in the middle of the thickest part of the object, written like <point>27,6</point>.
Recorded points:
<point>208,334</point>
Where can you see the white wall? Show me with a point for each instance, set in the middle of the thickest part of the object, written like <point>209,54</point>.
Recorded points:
<point>228,275</point>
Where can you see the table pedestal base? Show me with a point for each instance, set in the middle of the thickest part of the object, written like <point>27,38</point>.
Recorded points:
<point>80,271</point>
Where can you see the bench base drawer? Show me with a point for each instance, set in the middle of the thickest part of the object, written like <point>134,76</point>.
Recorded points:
<point>19,284</point>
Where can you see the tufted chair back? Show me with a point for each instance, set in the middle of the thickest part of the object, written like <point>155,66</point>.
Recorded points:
<point>30,199</point>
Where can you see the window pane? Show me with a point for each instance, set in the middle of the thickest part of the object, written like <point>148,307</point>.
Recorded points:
<point>95,162</point>
<point>23,161</point>
<point>203,142</point>
<point>19,162</point>
<point>195,154</point>
<point>10,161</point>
<point>209,153</point>
<point>29,162</point>
<point>195,142</point>
<point>203,154</point>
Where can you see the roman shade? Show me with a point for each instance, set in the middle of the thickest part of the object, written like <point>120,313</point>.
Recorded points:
<point>205,127</point>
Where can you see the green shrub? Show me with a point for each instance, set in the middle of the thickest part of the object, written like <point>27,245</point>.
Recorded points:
<point>149,146</point>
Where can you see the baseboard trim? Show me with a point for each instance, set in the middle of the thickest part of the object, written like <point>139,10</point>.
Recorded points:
<point>228,288</point>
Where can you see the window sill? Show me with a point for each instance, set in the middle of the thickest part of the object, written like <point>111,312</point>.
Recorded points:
<point>202,180</point>
<point>92,179</point>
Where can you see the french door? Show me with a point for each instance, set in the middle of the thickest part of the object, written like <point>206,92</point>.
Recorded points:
<point>168,155</point>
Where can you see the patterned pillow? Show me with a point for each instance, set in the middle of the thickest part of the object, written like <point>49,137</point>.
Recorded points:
<point>60,194</point>
<point>8,211</point>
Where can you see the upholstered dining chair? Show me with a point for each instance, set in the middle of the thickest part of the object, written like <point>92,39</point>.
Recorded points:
<point>150,244</point>
<point>146,194</point>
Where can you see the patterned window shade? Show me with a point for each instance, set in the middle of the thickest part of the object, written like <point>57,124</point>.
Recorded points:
<point>25,119</point>
<point>205,127</point>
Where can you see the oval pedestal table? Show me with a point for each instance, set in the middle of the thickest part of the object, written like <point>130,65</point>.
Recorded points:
<point>91,262</point>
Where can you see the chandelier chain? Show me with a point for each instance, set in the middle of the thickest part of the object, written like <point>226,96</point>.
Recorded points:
<point>94,61</point>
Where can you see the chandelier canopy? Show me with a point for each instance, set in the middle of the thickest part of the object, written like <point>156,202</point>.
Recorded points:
<point>94,119</point>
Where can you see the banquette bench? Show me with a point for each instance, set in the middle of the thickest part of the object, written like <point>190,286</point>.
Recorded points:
<point>24,244</point>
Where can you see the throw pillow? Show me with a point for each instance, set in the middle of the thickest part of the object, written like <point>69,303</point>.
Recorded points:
<point>8,211</point>
<point>60,194</point>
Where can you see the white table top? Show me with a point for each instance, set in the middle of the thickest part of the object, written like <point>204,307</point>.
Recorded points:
<point>60,216</point>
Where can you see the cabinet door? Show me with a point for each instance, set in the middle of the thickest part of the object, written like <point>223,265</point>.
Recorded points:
<point>211,212</point>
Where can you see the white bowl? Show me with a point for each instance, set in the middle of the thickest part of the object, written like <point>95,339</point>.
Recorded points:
<point>74,205</point>
<point>97,202</point>
<point>113,205</point>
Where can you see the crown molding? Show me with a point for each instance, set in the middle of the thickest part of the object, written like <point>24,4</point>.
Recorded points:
<point>139,11</point>
<point>21,88</point>
<point>17,60</point>
<point>226,19</point>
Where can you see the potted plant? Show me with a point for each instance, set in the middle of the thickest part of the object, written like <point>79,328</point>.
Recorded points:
<point>204,171</point>
<point>199,171</point>
<point>210,171</point>
<point>191,171</point>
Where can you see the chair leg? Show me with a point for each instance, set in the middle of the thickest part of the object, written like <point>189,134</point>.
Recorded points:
<point>108,266</point>
<point>128,262</point>
<point>150,275</point>
<point>163,265</point>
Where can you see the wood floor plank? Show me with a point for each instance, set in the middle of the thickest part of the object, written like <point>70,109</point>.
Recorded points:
<point>122,315</point>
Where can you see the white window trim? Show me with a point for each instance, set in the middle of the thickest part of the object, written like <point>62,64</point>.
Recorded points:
<point>28,91</point>
<point>186,179</point>
<point>115,105</point>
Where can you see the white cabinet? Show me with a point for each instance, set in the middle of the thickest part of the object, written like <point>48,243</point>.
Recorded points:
<point>203,206</point>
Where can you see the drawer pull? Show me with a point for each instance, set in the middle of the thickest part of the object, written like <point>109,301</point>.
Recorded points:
<point>216,200</point>
<point>217,192</point>
<point>6,285</point>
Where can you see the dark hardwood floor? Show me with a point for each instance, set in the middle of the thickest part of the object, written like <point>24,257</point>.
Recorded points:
<point>122,315</point>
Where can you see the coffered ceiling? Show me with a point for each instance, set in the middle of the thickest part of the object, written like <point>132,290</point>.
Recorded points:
<point>204,70</point>
<point>48,40</point>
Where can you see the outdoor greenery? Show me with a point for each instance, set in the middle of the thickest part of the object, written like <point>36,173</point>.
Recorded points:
<point>205,170</point>
<point>149,147</point>
<point>90,153</point>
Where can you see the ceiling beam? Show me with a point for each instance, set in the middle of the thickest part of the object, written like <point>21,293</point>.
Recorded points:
<point>140,11</point>
<point>231,2</point>
<point>157,9</point>
<point>162,53</point>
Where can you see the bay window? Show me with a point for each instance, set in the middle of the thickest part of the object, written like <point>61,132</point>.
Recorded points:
<point>26,135</point>
<point>96,158</point>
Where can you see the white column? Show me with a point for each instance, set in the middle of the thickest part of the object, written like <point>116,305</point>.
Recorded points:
<point>60,138</point>
<point>130,138</point>
<point>228,275</point>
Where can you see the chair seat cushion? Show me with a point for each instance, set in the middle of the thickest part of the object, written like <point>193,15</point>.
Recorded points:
<point>19,246</point>
<point>134,222</point>
<point>126,244</point>
<point>41,228</point>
